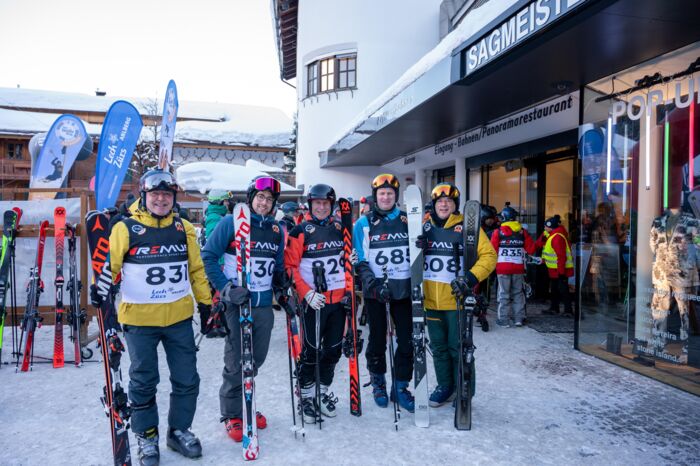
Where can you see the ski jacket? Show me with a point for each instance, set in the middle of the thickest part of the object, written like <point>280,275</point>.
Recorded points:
<point>439,261</point>
<point>160,314</point>
<point>317,243</point>
<point>382,240</point>
<point>555,246</point>
<point>511,241</point>
<point>212,217</point>
<point>266,257</point>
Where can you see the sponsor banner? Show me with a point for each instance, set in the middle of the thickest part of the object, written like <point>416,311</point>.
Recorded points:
<point>167,127</point>
<point>61,147</point>
<point>120,133</point>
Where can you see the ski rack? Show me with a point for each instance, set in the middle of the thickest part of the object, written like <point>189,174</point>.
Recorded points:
<point>25,230</point>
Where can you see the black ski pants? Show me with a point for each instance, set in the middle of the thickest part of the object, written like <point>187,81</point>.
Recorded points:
<point>231,391</point>
<point>400,311</point>
<point>332,324</point>
<point>560,292</point>
<point>181,354</point>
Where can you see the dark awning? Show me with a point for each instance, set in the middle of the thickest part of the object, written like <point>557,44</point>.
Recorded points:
<point>598,39</point>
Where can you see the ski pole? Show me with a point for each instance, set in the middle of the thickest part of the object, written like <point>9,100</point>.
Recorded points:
<point>389,327</point>
<point>321,286</point>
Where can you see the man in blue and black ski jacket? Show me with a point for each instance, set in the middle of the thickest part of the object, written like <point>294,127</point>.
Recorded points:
<point>266,275</point>
<point>380,239</point>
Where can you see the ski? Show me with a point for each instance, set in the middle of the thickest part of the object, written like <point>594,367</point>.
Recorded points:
<point>241,222</point>
<point>77,315</point>
<point>8,228</point>
<point>294,353</point>
<point>463,411</point>
<point>414,210</point>
<point>114,397</point>
<point>59,225</point>
<point>351,342</point>
<point>32,319</point>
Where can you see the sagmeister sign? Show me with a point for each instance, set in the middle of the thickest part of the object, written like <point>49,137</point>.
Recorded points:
<point>514,30</point>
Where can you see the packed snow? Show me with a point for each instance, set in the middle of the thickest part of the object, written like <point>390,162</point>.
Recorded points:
<point>537,402</point>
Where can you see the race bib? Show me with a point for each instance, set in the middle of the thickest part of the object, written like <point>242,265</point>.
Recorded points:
<point>396,261</point>
<point>439,268</point>
<point>511,255</point>
<point>260,271</point>
<point>155,283</point>
<point>332,266</point>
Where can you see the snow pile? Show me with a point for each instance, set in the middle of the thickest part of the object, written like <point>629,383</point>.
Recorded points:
<point>470,25</point>
<point>229,124</point>
<point>204,176</point>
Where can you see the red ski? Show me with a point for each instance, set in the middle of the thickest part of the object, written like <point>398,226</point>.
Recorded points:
<point>59,231</point>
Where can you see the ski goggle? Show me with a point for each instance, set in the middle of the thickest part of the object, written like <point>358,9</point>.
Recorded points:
<point>159,181</point>
<point>269,184</point>
<point>444,190</point>
<point>385,180</point>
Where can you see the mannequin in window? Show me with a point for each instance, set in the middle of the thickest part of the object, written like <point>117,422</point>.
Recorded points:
<point>674,240</point>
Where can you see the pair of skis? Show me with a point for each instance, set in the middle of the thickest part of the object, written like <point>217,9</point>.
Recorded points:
<point>7,279</point>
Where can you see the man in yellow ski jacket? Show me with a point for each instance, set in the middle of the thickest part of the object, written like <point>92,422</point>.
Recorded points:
<point>440,233</point>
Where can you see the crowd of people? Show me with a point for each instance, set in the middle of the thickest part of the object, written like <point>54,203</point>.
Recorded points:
<point>287,253</point>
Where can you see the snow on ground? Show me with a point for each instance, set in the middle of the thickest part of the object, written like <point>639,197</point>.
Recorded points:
<point>537,402</point>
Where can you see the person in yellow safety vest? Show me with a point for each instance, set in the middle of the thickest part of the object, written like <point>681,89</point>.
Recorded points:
<point>556,253</point>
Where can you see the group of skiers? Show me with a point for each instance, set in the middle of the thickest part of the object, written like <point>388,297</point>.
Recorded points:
<point>151,245</point>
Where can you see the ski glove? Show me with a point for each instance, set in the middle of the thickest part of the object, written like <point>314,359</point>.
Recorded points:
<point>462,286</point>
<point>289,305</point>
<point>96,298</point>
<point>204,313</point>
<point>315,300</point>
<point>354,257</point>
<point>234,294</point>
<point>379,291</point>
<point>422,242</point>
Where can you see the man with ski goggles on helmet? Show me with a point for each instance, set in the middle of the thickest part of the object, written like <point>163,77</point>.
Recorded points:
<point>159,290</point>
<point>267,277</point>
<point>441,232</point>
<point>314,257</point>
<point>380,239</point>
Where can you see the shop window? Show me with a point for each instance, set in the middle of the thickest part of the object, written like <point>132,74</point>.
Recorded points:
<point>14,151</point>
<point>329,74</point>
<point>639,256</point>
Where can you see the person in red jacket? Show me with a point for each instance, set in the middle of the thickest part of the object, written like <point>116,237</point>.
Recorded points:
<point>511,242</point>
<point>556,253</point>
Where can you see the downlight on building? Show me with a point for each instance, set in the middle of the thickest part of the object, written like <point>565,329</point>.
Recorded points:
<point>581,108</point>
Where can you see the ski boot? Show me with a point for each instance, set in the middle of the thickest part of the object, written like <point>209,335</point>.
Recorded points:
<point>307,409</point>
<point>441,395</point>
<point>234,429</point>
<point>148,451</point>
<point>405,398</point>
<point>328,401</point>
<point>378,381</point>
<point>184,442</point>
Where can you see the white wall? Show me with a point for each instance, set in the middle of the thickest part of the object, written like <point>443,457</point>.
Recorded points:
<point>389,36</point>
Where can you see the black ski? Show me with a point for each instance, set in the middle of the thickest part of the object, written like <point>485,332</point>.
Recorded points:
<point>8,236</point>
<point>465,308</point>
<point>114,398</point>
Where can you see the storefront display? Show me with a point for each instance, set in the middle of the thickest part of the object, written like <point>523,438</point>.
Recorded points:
<point>640,188</point>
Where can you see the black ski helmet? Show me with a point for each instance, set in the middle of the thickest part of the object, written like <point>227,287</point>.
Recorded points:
<point>321,191</point>
<point>445,190</point>
<point>289,207</point>
<point>488,211</point>
<point>156,179</point>
<point>263,183</point>
<point>508,214</point>
<point>385,180</point>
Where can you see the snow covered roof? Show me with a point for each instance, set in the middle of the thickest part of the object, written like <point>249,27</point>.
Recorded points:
<point>229,124</point>
<point>204,176</point>
<point>471,25</point>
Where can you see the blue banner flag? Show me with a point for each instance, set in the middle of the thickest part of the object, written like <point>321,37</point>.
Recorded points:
<point>62,145</point>
<point>120,133</point>
<point>167,127</point>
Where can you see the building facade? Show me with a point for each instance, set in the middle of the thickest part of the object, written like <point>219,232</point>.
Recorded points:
<point>581,108</point>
